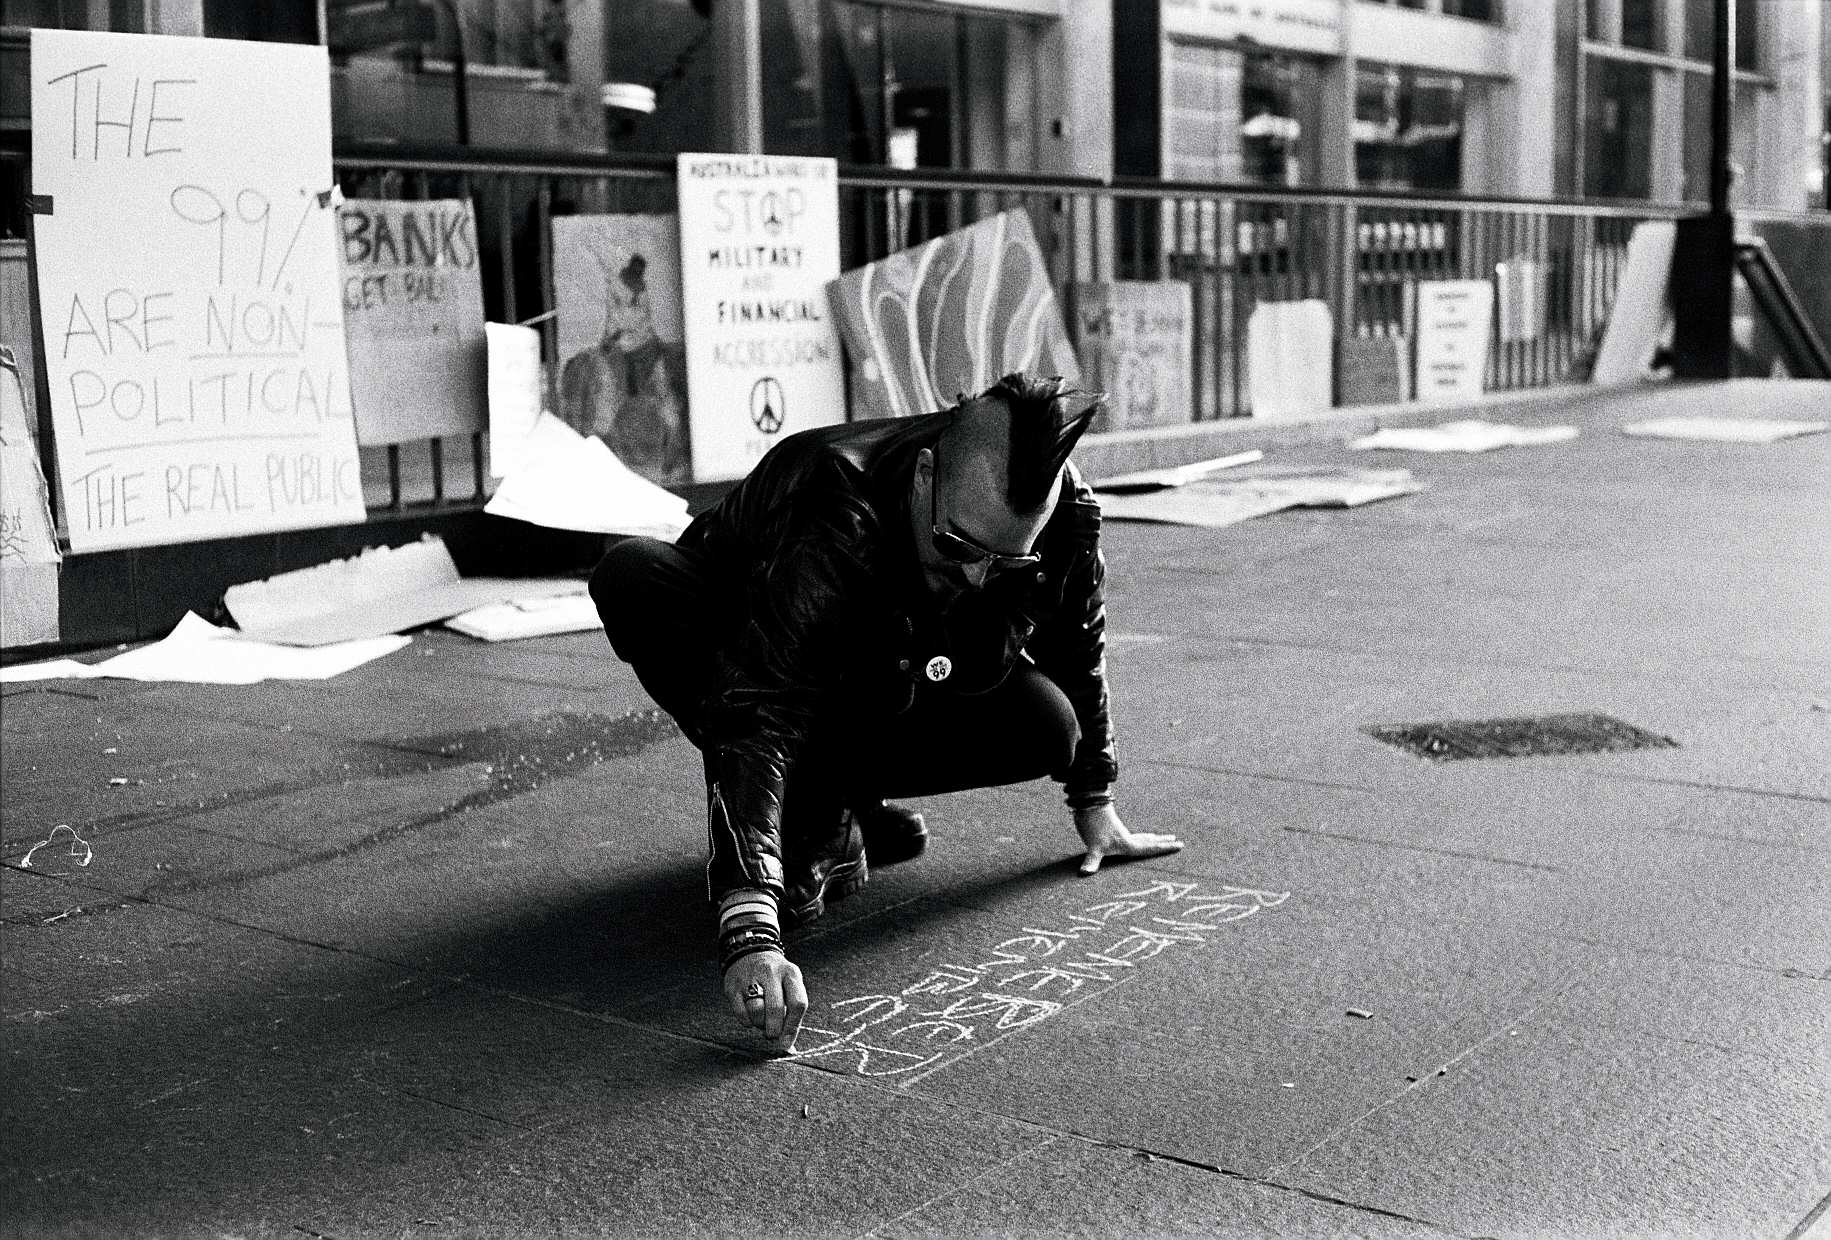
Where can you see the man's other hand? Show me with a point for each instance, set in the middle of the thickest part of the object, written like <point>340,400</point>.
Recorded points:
<point>1106,836</point>
<point>765,990</point>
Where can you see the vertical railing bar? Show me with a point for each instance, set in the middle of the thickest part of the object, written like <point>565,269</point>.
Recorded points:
<point>394,476</point>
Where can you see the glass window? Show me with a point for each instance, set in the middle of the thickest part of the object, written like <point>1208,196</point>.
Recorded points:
<point>1748,35</point>
<point>1592,22</point>
<point>1242,116</point>
<point>55,15</point>
<point>1618,130</point>
<point>1407,128</point>
<point>907,87</point>
<point>1473,10</point>
<point>1700,28</point>
<point>286,21</point>
<point>668,48</point>
<point>1643,23</point>
<point>1697,137</point>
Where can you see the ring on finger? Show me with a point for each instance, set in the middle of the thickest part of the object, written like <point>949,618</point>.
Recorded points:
<point>753,991</point>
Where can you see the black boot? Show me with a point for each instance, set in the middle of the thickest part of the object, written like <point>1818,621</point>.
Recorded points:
<point>817,871</point>
<point>892,833</point>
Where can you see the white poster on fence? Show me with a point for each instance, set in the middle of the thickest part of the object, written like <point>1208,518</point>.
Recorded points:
<point>759,240</point>
<point>189,285</point>
<point>413,310</point>
<point>1452,322</point>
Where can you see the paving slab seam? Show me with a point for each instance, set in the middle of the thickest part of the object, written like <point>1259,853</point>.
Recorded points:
<point>1741,839</point>
<point>1262,775</point>
<point>1429,657</point>
<point>1809,797</point>
<point>1692,957</point>
<point>1544,999</point>
<point>1806,1224</point>
<point>1424,848</point>
<point>995,1169</point>
<point>1261,1182</point>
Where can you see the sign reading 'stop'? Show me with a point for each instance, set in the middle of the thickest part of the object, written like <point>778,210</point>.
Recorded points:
<point>189,287</point>
<point>759,240</point>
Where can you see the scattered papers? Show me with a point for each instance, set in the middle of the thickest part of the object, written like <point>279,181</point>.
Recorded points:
<point>568,481</point>
<point>383,590</point>
<point>1216,503</point>
<point>1723,430</point>
<point>1472,435</point>
<point>197,652</point>
<point>1180,475</point>
<point>538,617</point>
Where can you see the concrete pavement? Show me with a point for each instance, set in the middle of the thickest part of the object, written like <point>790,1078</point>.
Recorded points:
<point>421,951</point>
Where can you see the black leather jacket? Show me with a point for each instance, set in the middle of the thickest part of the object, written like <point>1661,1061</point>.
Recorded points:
<point>834,611</point>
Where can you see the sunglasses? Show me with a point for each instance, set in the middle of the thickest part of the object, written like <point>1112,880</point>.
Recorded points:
<point>958,549</point>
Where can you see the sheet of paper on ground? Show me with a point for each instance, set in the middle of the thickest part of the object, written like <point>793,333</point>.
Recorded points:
<point>536,617</point>
<point>1723,430</point>
<point>1215,502</point>
<point>1176,475</point>
<point>1470,435</point>
<point>568,481</point>
<point>383,590</point>
<point>200,653</point>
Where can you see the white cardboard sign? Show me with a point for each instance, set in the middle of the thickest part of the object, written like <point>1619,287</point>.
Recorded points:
<point>759,240</point>
<point>189,284</point>
<point>1454,319</point>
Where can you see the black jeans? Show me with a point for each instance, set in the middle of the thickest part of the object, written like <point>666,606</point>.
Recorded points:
<point>666,615</point>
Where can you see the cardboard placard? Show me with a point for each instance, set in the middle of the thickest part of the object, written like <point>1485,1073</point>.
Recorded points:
<point>950,317</point>
<point>189,286</point>
<point>1136,341</point>
<point>413,317</point>
<point>1452,321</point>
<point>515,381</point>
<point>29,557</point>
<point>759,240</point>
<point>623,363</point>
<point>1290,357</point>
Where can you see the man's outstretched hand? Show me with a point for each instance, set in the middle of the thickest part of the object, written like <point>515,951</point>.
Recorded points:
<point>782,1004</point>
<point>1106,836</point>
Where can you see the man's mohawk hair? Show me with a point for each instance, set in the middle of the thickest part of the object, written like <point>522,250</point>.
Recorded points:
<point>1047,420</point>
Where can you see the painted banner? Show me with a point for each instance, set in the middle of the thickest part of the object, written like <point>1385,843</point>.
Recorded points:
<point>1136,339</point>
<point>623,363</point>
<point>1452,320</point>
<point>929,324</point>
<point>759,241</point>
<point>189,286</point>
<point>413,318</point>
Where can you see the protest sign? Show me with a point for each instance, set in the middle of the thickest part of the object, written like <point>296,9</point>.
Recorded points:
<point>413,317</point>
<point>623,366</point>
<point>1136,342</point>
<point>1290,357</point>
<point>188,281</point>
<point>952,316</point>
<point>29,557</point>
<point>514,392</point>
<point>759,240</point>
<point>1452,320</point>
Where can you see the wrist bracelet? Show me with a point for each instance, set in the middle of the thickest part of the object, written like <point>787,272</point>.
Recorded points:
<point>733,957</point>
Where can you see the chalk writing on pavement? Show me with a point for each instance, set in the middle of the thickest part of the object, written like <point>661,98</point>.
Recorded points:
<point>957,1008</point>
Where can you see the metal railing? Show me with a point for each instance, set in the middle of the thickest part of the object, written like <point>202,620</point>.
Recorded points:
<point>1555,264</point>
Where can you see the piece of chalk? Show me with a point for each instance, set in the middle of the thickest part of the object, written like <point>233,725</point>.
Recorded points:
<point>1363,1013</point>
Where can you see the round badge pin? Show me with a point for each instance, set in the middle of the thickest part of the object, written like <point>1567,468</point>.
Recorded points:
<point>939,668</point>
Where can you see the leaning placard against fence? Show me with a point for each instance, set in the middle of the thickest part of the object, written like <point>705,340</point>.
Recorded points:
<point>189,287</point>
<point>759,240</point>
<point>413,311</point>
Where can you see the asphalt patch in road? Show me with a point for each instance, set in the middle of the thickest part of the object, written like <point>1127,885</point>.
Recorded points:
<point>1528,737</point>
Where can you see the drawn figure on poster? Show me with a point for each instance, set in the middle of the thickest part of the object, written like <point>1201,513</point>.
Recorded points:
<point>629,387</point>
